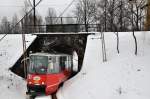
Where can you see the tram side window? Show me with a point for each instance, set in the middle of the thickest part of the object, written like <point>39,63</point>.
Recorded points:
<point>69,62</point>
<point>63,61</point>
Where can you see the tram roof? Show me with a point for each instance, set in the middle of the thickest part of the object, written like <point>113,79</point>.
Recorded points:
<point>50,54</point>
<point>61,33</point>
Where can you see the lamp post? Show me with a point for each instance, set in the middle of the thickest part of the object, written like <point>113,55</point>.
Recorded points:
<point>133,1</point>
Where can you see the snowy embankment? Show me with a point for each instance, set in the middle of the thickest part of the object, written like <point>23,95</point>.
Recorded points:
<point>11,49</point>
<point>123,76</point>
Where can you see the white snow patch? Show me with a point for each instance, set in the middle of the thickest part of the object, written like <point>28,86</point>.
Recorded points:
<point>123,76</point>
<point>44,97</point>
<point>11,49</point>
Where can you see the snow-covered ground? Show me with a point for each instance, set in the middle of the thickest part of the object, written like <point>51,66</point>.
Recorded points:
<point>123,76</point>
<point>11,85</point>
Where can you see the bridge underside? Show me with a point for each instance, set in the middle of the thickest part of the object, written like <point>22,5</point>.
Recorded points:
<point>63,43</point>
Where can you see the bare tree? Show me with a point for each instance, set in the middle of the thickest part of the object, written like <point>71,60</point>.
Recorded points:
<point>137,12</point>
<point>39,24</point>
<point>136,6</point>
<point>25,21</point>
<point>117,13</point>
<point>14,28</point>
<point>85,12</point>
<point>123,16</point>
<point>5,25</point>
<point>112,15</point>
<point>28,25</point>
<point>51,16</point>
<point>102,15</point>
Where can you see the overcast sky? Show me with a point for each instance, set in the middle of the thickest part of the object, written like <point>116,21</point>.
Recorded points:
<point>10,7</point>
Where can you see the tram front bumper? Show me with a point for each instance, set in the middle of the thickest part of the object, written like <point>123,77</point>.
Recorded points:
<point>36,90</point>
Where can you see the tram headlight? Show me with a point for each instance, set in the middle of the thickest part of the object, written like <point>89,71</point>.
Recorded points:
<point>43,83</point>
<point>30,82</point>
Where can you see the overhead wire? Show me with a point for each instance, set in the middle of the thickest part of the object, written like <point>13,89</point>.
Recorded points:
<point>10,6</point>
<point>65,10</point>
<point>43,5</point>
<point>30,3</point>
<point>20,20</point>
<point>30,12</point>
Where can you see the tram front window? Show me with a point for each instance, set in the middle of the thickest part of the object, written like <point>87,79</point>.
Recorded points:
<point>38,64</point>
<point>53,65</point>
<point>48,64</point>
